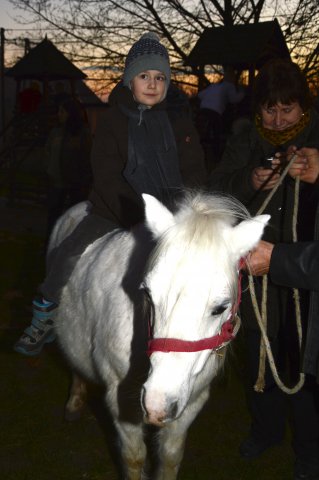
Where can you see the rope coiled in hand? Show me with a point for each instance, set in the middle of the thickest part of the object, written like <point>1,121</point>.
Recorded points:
<point>261,316</point>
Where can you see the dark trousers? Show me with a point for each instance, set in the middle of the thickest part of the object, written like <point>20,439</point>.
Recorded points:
<point>270,409</point>
<point>62,260</point>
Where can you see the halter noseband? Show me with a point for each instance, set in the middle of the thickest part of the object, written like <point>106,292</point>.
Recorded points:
<point>228,332</point>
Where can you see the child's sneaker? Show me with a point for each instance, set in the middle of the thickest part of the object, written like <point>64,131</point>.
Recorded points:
<point>41,330</point>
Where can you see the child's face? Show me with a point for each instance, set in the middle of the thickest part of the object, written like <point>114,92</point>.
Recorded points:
<point>148,87</point>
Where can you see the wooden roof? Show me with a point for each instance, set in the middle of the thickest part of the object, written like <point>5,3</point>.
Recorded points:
<point>45,61</point>
<point>241,46</point>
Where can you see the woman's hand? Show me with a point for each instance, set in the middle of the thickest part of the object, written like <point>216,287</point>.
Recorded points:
<point>258,260</point>
<point>264,178</point>
<point>306,165</point>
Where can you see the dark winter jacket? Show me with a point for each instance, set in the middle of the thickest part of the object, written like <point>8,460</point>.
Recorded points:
<point>244,152</point>
<point>112,195</point>
<point>297,266</point>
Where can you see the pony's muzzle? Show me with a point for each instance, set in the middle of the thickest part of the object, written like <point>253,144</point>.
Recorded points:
<point>157,414</point>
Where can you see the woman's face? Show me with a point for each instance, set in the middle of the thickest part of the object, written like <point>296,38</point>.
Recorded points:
<point>281,116</point>
<point>148,87</point>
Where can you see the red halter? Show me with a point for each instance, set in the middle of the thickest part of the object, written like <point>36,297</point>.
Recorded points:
<point>228,332</point>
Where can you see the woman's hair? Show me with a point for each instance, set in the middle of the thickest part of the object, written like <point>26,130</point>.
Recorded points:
<point>76,117</point>
<point>280,81</point>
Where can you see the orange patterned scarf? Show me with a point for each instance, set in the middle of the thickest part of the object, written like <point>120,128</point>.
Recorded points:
<point>281,137</point>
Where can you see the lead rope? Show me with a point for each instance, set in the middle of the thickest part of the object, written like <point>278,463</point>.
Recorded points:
<point>265,348</point>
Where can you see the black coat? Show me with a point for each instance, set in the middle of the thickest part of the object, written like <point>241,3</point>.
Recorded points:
<point>244,152</point>
<point>297,266</point>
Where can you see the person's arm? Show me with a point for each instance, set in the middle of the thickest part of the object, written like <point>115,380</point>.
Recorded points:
<point>202,94</point>
<point>294,265</point>
<point>190,153</point>
<point>110,190</point>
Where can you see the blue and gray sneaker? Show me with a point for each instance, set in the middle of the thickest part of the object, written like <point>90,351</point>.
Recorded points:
<point>41,330</point>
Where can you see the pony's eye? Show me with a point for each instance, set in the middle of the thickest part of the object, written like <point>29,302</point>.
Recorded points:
<point>148,305</point>
<point>219,309</point>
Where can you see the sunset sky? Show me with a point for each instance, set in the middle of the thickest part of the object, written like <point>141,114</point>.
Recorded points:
<point>15,33</point>
<point>6,11</point>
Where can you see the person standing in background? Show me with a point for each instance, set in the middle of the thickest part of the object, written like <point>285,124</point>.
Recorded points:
<point>68,150</point>
<point>213,102</point>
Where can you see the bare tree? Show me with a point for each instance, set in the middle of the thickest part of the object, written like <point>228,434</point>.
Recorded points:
<point>99,32</point>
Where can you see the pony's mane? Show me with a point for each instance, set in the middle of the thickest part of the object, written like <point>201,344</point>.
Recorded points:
<point>215,205</point>
<point>199,222</point>
<point>199,217</point>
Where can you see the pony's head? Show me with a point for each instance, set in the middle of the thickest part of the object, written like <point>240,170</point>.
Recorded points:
<point>192,284</point>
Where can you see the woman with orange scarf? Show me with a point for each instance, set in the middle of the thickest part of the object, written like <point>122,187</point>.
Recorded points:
<point>284,123</point>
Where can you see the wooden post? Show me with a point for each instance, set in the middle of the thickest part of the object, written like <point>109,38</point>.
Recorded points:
<point>201,78</point>
<point>27,46</point>
<point>2,94</point>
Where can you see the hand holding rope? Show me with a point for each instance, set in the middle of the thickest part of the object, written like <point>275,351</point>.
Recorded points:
<point>261,316</point>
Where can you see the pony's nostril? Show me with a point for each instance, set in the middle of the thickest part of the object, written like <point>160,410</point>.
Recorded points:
<point>173,410</point>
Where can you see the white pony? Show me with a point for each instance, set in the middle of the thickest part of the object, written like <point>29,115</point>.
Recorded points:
<point>184,267</point>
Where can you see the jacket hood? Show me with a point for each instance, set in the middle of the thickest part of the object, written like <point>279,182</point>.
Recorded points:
<point>176,102</point>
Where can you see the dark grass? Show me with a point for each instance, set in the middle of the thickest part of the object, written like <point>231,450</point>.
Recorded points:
<point>38,444</point>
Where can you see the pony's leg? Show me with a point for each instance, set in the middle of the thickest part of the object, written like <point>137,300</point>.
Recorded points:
<point>77,398</point>
<point>172,440</point>
<point>133,449</point>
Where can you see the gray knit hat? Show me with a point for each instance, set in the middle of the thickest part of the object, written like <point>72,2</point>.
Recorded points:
<point>146,54</point>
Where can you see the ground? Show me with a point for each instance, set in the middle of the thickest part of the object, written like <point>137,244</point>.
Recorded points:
<point>38,444</point>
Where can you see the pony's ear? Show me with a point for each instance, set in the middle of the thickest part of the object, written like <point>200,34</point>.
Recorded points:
<point>247,234</point>
<point>158,217</point>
